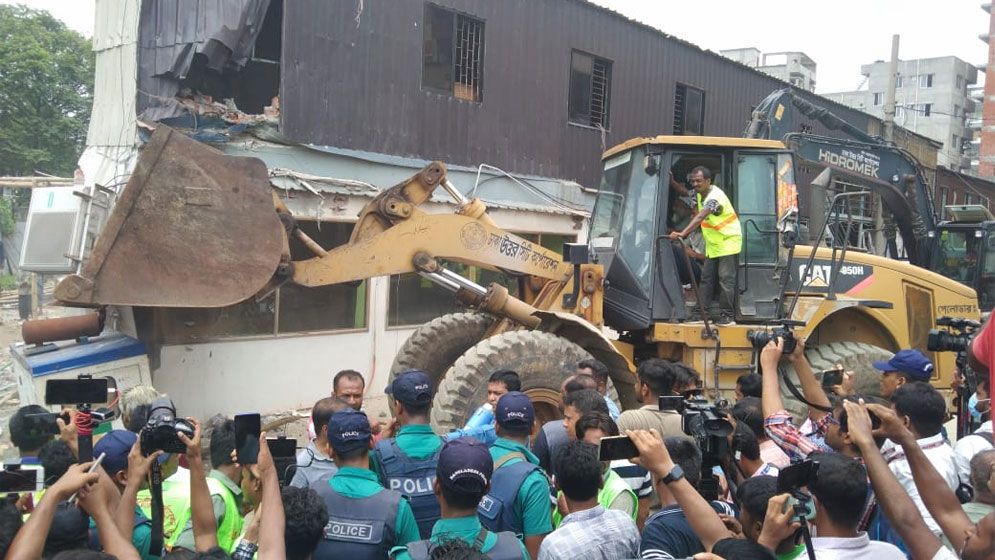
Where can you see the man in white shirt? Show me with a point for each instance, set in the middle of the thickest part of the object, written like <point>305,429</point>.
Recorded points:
<point>969,446</point>
<point>923,410</point>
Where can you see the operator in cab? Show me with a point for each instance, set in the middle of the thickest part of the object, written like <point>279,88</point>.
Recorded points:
<point>722,232</point>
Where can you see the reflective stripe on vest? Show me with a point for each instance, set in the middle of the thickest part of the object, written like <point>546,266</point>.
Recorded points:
<point>176,511</point>
<point>497,509</point>
<point>722,232</point>
<point>358,528</point>
<point>414,479</point>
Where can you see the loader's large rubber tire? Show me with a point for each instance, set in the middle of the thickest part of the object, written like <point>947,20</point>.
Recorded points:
<point>856,356</point>
<point>436,345</point>
<point>542,360</point>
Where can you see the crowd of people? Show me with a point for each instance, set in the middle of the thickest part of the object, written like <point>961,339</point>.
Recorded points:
<point>881,478</point>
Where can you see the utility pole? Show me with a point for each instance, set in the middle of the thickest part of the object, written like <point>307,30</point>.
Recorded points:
<point>889,135</point>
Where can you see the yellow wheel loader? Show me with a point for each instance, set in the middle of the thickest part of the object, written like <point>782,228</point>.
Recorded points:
<point>197,228</point>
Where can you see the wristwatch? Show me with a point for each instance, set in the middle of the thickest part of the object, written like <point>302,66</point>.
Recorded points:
<point>675,474</point>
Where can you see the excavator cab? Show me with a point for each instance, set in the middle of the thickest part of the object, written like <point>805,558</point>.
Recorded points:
<point>964,250</point>
<point>650,278</point>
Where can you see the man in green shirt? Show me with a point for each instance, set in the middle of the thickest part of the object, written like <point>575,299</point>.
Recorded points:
<point>462,479</point>
<point>365,520</point>
<point>519,499</point>
<point>407,463</point>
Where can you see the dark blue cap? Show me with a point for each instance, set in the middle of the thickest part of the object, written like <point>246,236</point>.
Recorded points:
<point>910,362</point>
<point>515,410</point>
<point>412,387</point>
<point>465,464</point>
<point>115,445</point>
<point>349,430</point>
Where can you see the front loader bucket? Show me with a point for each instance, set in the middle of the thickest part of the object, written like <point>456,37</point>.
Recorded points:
<point>193,228</point>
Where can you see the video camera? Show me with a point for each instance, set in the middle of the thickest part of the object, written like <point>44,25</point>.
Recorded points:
<point>759,339</point>
<point>708,425</point>
<point>955,338</point>
<point>159,433</point>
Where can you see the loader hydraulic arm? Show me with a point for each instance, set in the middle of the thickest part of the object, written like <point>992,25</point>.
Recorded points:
<point>198,228</point>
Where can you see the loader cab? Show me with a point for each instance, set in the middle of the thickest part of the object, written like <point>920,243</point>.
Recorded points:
<point>648,277</point>
<point>964,250</point>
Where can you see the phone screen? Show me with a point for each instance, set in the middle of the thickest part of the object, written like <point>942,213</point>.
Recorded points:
<point>832,377</point>
<point>616,447</point>
<point>76,391</point>
<point>26,478</point>
<point>282,447</point>
<point>247,427</point>
<point>45,422</point>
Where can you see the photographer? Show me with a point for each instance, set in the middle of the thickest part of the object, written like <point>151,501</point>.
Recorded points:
<point>25,436</point>
<point>839,491</point>
<point>923,409</point>
<point>778,423</point>
<point>974,541</point>
<point>672,532</point>
<point>898,507</point>
<point>654,378</point>
<point>748,411</point>
<point>616,493</point>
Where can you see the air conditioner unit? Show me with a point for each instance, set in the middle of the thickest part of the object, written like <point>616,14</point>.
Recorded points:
<point>51,231</point>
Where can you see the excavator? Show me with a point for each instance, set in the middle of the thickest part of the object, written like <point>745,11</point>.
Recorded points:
<point>957,248</point>
<point>195,227</point>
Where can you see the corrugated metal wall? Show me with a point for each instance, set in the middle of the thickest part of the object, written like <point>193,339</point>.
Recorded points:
<point>358,84</point>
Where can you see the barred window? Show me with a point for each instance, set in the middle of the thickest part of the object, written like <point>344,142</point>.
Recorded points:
<point>453,53</point>
<point>689,111</point>
<point>590,90</point>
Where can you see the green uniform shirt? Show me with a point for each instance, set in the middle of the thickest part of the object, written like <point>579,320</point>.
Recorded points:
<point>463,528</point>
<point>533,497</point>
<point>417,441</point>
<point>141,534</point>
<point>362,483</point>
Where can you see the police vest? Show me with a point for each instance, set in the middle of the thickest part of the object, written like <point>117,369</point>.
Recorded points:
<point>414,479</point>
<point>357,528</point>
<point>507,547</point>
<point>722,232</point>
<point>176,511</point>
<point>497,510</point>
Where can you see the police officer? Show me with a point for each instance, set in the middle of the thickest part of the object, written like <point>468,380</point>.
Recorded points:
<point>406,463</point>
<point>365,520</point>
<point>723,236</point>
<point>462,478</point>
<point>519,498</point>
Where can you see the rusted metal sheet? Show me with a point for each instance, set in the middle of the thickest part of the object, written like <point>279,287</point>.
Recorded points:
<point>39,331</point>
<point>193,228</point>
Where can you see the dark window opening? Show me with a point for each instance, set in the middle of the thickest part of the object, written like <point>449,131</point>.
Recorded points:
<point>689,111</point>
<point>453,53</point>
<point>254,85</point>
<point>590,90</point>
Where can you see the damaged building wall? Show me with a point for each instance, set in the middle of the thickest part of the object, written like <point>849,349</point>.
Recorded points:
<point>210,48</point>
<point>371,82</point>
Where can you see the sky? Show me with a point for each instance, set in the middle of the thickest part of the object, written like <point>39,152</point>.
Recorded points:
<point>840,36</point>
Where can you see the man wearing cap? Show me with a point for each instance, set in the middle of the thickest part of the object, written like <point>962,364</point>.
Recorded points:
<point>519,498</point>
<point>462,479</point>
<point>407,462</point>
<point>365,520</point>
<point>904,367</point>
<point>129,470</point>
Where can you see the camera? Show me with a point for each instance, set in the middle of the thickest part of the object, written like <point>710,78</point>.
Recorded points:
<point>759,339</point>
<point>955,338</point>
<point>159,433</point>
<point>707,424</point>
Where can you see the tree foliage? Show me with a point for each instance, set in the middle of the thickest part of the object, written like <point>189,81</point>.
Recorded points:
<point>46,89</point>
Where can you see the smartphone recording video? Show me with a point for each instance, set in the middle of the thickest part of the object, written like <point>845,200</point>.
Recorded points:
<point>247,428</point>
<point>76,391</point>
<point>616,447</point>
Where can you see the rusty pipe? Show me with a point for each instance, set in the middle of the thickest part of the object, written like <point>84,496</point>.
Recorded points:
<point>39,331</point>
